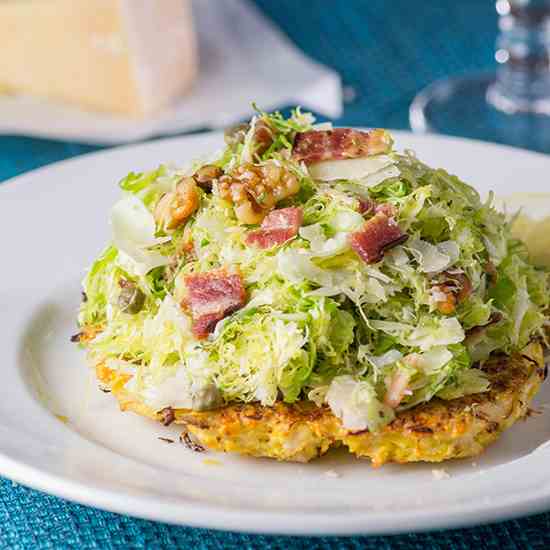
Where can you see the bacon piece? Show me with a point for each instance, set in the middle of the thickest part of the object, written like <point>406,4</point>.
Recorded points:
<point>211,297</point>
<point>340,143</point>
<point>378,234</point>
<point>277,227</point>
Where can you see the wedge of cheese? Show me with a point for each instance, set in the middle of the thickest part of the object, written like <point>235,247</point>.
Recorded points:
<point>131,57</point>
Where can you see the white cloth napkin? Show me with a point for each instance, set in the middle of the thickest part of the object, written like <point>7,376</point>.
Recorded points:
<point>243,58</point>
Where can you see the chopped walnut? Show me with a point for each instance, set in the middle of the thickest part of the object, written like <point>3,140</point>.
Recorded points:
<point>255,190</point>
<point>176,206</point>
<point>206,175</point>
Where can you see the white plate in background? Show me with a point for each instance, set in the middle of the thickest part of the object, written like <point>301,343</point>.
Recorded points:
<point>53,221</point>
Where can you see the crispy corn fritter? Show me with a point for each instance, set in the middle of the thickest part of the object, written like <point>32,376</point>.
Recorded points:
<point>431,432</point>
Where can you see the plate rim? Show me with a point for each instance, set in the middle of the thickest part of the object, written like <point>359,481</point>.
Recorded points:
<point>281,523</point>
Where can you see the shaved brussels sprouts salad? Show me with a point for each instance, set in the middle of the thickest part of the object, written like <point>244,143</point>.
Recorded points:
<point>305,263</point>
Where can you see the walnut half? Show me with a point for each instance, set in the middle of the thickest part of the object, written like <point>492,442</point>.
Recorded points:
<point>254,190</point>
<point>176,206</point>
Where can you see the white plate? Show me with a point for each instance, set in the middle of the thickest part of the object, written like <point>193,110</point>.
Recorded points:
<point>52,223</point>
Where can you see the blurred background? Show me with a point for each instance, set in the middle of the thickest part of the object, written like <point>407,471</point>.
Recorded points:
<point>364,61</point>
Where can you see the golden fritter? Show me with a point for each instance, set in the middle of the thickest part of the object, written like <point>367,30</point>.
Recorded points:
<point>432,432</point>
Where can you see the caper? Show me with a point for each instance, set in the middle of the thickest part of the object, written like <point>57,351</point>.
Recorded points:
<point>207,398</point>
<point>131,299</point>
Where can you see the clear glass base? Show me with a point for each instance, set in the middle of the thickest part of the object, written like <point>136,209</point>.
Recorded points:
<point>465,107</point>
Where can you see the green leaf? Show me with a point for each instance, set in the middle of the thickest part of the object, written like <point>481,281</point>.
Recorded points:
<point>135,182</point>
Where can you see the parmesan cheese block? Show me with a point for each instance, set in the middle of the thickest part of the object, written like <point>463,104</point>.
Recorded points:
<point>130,57</point>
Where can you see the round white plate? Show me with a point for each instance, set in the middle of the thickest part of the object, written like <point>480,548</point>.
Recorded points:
<point>60,434</point>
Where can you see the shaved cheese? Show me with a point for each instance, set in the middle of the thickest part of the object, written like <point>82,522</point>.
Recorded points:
<point>347,221</point>
<point>297,267</point>
<point>354,402</point>
<point>447,331</point>
<point>349,169</point>
<point>179,391</point>
<point>131,221</point>
<point>378,177</point>
<point>432,360</point>
<point>379,361</point>
<point>320,246</point>
<point>434,258</point>
<point>133,230</point>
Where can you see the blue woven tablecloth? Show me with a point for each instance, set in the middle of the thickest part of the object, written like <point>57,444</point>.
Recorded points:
<point>385,50</point>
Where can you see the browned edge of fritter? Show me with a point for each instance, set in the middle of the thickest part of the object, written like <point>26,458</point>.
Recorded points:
<point>432,432</point>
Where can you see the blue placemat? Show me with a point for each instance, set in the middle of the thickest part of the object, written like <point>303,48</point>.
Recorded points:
<point>385,51</point>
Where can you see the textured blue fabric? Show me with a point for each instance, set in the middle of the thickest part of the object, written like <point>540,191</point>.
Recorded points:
<point>385,51</point>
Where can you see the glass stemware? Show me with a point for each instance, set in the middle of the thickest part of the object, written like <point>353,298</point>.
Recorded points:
<point>511,105</point>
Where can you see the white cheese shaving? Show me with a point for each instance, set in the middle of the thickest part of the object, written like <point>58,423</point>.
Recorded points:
<point>133,228</point>
<point>349,169</point>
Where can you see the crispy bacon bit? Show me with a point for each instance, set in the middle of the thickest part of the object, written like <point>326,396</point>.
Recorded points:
<point>167,416</point>
<point>278,227</point>
<point>452,290</point>
<point>211,297</point>
<point>379,234</point>
<point>284,218</point>
<point>340,143</point>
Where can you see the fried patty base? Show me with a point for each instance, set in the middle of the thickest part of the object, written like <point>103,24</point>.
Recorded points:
<point>432,432</point>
